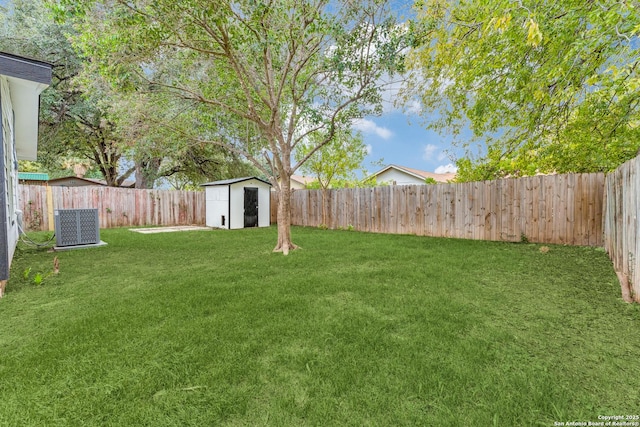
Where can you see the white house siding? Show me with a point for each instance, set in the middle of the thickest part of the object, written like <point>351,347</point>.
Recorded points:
<point>10,184</point>
<point>394,176</point>
<point>217,201</point>
<point>296,185</point>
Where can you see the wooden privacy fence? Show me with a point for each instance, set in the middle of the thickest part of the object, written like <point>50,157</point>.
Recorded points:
<point>563,209</point>
<point>621,239</point>
<point>574,209</point>
<point>117,207</point>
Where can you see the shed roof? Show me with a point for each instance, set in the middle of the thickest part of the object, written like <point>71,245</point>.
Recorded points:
<point>233,181</point>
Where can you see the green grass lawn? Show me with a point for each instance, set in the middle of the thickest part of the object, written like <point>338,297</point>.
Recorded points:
<point>212,328</point>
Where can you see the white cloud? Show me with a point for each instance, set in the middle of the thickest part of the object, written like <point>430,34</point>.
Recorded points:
<point>429,151</point>
<point>414,107</point>
<point>368,148</point>
<point>368,126</point>
<point>450,168</point>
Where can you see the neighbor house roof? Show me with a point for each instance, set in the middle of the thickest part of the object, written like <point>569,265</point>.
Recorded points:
<point>27,78</point>
<point>73,181</point>
<point>33,176</point>
<point>439,177</point>
<point>304,180</point>
<point>233,181</point>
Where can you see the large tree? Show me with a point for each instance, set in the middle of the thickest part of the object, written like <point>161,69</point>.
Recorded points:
<point>162,135</point>
<point>84,121</point>
<point>74,121</point>
<point>288,68</point>
<point>548,86</point>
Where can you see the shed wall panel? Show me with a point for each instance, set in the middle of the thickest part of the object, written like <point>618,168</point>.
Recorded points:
<point>217,201</point>
<point>393,176</point>
<point>236,205</point>
<point>264,208</point>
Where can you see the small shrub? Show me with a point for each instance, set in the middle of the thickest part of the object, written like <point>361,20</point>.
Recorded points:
<point>430,181</point>
<point>37,279</point>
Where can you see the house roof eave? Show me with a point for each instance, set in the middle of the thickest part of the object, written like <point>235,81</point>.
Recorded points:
<point>26,78</point>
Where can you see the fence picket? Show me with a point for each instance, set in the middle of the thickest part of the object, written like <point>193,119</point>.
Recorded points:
<point>621,225</point>
<point>565,209</point>
<point>117,207</point>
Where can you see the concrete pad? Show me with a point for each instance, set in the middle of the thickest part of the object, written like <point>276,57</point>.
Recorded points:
<point>169,229</point>
<point>69,248</point>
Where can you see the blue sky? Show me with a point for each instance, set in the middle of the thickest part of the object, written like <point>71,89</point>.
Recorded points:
<point>402,139</point>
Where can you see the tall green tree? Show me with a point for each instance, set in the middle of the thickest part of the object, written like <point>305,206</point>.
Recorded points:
<point>547,86</point>
<point>334,162</point>
<point>288,68</point>
<point>74,119</point>
<point>83,120</point>
<point>162,135</point>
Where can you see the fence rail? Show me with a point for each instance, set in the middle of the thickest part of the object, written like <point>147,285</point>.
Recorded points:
<point>117,207</point>
<point>563,209</point>
<point>621,230</point>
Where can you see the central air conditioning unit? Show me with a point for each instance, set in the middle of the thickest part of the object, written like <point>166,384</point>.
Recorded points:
<point>74,227</point>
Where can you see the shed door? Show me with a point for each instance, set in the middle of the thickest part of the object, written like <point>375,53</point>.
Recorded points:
<point>250,207</point>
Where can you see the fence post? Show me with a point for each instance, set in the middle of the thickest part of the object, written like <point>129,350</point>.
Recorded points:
<point>49,208</point>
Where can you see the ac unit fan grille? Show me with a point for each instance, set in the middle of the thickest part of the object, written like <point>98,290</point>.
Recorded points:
<point>77,227</point>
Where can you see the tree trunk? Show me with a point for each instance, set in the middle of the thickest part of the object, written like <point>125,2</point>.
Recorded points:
<point>325,207</point>
<point>284,218</point>
<point>147,172</point>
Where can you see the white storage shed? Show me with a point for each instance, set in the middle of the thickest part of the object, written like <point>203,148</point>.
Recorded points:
<point>238,203</point>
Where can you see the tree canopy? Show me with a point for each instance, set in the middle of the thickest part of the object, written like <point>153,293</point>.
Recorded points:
<point>546,86</point>
<point>74,122</point>
<point>260,76</point>
<point>337,161</point>
<point>85,121</point>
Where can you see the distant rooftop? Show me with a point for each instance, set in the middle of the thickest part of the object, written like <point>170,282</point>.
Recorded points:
<point>439,177</point>
<point>303,179</point>
<point>33,176</point>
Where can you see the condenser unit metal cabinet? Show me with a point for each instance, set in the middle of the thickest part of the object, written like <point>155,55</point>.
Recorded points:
<point>76,227</point>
